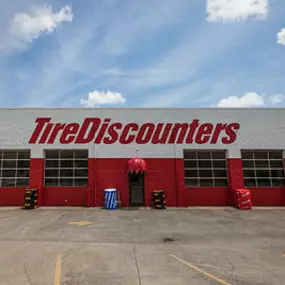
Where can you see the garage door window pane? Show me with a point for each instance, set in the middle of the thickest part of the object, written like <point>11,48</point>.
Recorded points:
<point>262,173</point>
<point>8,182</point>
<point>10,154</point>
<point>52,154</point>
<point>81,172</point>
<point>66,173</point>
<point>22,173</point>
<point>81,154</point>
<point>206,183</point>
<point>219,164</point>
<point>205,173</point>
<point>248,164</point>
<point>67,163</point>
<point>9,163</point>
<point>265,168</point>
<point>221,182</point>
<point>204,155</point>
<point>190,163</point>
<point>52,163</point>
<point>190,154</point>
<point>191,182</point>
<point>51,182</point>
<point>24,164</point>
<point>249,182</point>
<point>263,182</point>
<point>261,155</point>
<point>203,168</point>
<point>81,163</point>
<point>277,172</point>
<point>21,182</point>
<point>275,155</point>
<point>247,155</point>
<point>261,163</point>
<point>218,155</point>
<point>276,163</point>
<point>9,173</point>
<point>220,173</point>
<point>52,172</point>
<point>204,164</point>
<point>191,173</point>
<point>23,155</point>
<point>81,182</point>
<point>66,154</point>
<point>249,174</point>
<point>66,182</point>
<point>278,182</point>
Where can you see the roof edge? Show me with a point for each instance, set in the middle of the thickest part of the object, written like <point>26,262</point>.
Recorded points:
<point>143,108</point>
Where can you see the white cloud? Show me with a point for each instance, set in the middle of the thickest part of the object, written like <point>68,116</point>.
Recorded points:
<point>230,10</point>
<point>27,27</point>
<point>96,98</point>
<point>276,99</point>
<point>133,72</point>
<point>281,37</point>
<point>250,99</point>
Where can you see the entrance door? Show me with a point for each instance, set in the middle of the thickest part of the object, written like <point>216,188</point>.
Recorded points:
<point>136,182</point>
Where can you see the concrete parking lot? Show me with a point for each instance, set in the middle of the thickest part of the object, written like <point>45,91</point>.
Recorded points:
<point>142,247</point>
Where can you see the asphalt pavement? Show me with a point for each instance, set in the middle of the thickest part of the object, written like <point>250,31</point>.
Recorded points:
<point>72,246</point>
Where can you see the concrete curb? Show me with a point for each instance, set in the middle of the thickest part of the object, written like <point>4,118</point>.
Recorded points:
<point>7,208</point>
<point>141,208</point>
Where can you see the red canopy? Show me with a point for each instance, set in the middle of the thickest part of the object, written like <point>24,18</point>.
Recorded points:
<point>137,164</point>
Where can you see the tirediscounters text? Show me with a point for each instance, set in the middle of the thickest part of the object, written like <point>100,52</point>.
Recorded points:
<point>96,130</point>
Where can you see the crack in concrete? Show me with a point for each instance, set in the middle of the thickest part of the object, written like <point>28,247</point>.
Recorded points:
<point>26,272</point>
<point>137,264</point>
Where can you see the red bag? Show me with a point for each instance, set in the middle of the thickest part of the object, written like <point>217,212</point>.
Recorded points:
<point>243,197</point>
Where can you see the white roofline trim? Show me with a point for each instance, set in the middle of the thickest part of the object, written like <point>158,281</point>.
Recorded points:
<point>141,108</point>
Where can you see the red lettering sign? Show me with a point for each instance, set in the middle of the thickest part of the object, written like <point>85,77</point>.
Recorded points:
<point>105,131</point>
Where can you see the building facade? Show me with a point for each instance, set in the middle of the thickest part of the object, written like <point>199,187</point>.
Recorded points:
<point>198,156</point>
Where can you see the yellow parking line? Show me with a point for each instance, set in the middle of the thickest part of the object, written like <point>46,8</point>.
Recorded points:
<point>57,271</point>
<point>221,281</point>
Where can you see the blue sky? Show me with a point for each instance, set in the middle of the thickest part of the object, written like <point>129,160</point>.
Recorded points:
<point>150,53</point>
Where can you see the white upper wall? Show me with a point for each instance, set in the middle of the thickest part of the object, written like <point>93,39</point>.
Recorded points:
<point>258,128</point>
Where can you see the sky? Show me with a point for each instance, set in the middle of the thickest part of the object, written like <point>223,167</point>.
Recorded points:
<point>150,53</point>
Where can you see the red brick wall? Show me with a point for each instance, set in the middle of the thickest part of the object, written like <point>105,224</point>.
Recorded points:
<point>65,196</point>
<point>12,196</point>
<point>263,196</point>
<point>209,196</point>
